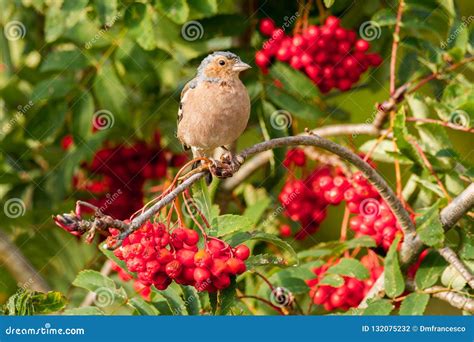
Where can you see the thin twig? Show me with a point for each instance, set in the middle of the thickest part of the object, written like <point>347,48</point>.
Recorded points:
<point>450,256</point>
<point>395,43</point>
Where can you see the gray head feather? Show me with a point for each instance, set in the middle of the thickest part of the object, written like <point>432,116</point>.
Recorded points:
<point>209,58</point>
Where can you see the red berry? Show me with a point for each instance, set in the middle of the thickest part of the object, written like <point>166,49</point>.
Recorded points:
<point>235,266</point>
<point>362,45</point>
<point>285,230</point>
<point>242,252</point>
<point>202,259</point>
<point>267,26</point>
<point>261,59</point>
<point>173,269</point>
<point>201,275</point>
<point>192,237</point>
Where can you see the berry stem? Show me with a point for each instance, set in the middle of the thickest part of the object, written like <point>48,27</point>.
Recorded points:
<point>396,41</point>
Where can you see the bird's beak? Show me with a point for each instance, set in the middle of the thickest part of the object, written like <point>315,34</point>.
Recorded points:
<point>240,66</point>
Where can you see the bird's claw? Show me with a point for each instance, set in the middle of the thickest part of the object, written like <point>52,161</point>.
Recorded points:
<point>227,166</point>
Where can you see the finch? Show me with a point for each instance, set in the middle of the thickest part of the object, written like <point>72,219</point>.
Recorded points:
<point>215,106</point>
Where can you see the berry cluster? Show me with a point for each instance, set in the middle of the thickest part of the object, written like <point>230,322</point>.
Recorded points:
<point>331,56</point>
<point>306,202</point>
<point>120,173</point>
<point>351,293</point>
<point>158,257</point>
<point>373,216</point>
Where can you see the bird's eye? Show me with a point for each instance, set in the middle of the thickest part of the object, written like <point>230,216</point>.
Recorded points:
<point>222,62</point>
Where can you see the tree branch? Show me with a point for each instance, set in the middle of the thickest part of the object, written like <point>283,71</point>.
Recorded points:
<point>395,43</point>
<point>455,299</point>
<point>19,266</point>
<point>449,216</point>
<point>450,256</point>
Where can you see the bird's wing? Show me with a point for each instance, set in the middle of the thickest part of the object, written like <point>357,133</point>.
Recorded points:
<point>189,86</point>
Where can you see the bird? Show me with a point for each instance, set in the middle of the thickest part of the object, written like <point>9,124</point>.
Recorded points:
<point>214,108</point>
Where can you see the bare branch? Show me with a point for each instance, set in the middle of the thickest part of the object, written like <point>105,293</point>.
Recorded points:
<point>19,266</point>
<point>455,299</point>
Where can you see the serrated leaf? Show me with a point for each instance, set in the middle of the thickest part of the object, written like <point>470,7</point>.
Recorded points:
<point>191,300</point>
<point>176,10</point>
<point>401,135</point>
<point>414,304</point>
<point>255,211</point>
<point>104,288</point>
<point>335,248</point>
<point>140,25</point>
<point>453,279</point>
<point>349,267</point>
<point>333,280</point>
<point>202,8</point>
<point>226,298</point>
<point>429,227</point>
<point>328,3</point>
<point>295,82</point>
<point>175,302</point>
<point>467,241</point>
<point>227,224</point>
<point>68,60</point>
<point>82,116</point>
<point>54,23</point>
<point>264,260</point>
<point>430,270</point>
<point>46,123</point>
<point>106,10</point>
<point>45,303</point>
<point>260,236</point>
<point>143,308</point>
<point>110,93</point>
<point>394,281</point>
<point>294,285</point>
<point>51,89</point>
<point>379,307</point>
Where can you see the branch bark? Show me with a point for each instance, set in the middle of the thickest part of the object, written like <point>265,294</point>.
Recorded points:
<point>455,299</point>
<point>450,256</point>
<point>19,266</point>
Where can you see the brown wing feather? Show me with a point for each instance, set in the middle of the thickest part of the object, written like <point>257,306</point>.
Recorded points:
<point>190,85</point>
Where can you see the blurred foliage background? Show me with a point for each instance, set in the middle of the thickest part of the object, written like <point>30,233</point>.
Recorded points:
<point>70,59</point>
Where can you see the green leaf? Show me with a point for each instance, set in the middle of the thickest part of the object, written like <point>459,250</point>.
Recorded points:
<point>336,248</point>
<point>430,270</point>
<point>106,10</point>
<point>467,241</point>
<point>110,93</point>
<point>414,304</point>
<point>106,292</point>
<point>349,267</point>
<point>333,280</point>
<point>294,81</point>
<point>202,8</point>
<point>379,307</point>
<point>46,123</point>
<point>34,303</point>
<point>264,260</point>
<point>453,279</point>
<point>74,11</point>
<point>213,301</point>
<point>291,104</point>
<point>294,285</point>
<point>176,10</point>
<point>191,300</point>
<point>226,298</point>
<point>394,282</point>
<point>140,25</point>
<point>328,3</point>
<point>84,311</point>
<point>401,135</point>
<point>82,116</point>
<point>255,211</point>
<point>227,224</point>
<point>54,24</point>
<point>175,302</point>
<point>68,60</point>
<point>143,308</point>
<point>51,89</point>
<point>260,236</point>
<point>383,152</point>
<point>429,226</point>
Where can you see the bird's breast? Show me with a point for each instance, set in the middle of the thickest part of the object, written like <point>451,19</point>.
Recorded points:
<point>214,114</point>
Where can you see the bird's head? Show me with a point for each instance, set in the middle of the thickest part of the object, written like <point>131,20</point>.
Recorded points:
<point>222,65</point>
